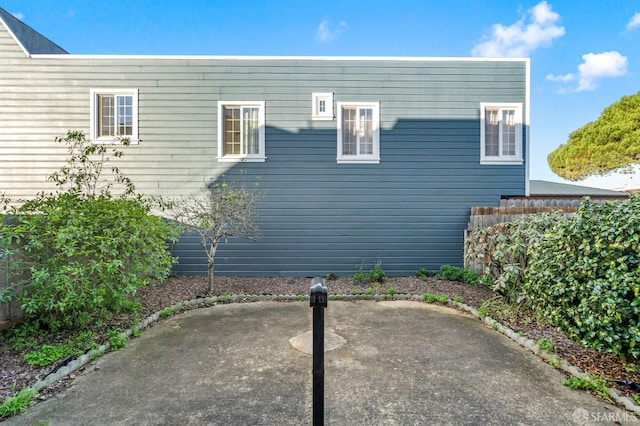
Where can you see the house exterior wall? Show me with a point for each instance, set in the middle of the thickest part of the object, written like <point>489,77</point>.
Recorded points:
<point>317,216</point>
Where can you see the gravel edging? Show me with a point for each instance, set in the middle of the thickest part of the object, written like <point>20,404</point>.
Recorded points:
<point>523,341</point>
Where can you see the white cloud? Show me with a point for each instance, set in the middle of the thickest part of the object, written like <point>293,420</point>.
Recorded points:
<point>562,78</point>
<point>18,15</point>
<point>595,67</point>
<point>325,34</point>
<point>523,37</point>
<point>634,22</point>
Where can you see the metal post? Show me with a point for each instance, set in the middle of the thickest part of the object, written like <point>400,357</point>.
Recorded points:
<point>318,301</point>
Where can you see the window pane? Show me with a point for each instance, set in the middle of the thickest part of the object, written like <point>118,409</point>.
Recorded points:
<point>366,131</point>
<point>508,132</point>
<point>231,123</point>
<point>106,115</point>
<point>349,132</point>
<point>491,133</point>
<point>251,142</point>
<point>125,115</point>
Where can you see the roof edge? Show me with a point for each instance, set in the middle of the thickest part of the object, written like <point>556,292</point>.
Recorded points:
<point>30,41</point>
<point>284,57</point>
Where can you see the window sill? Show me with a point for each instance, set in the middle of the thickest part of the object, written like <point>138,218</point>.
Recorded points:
<point>115,141</point>
<point>242,159</point>
<point>322,117</point>
<point>358,161</point>
<point>503,162</point>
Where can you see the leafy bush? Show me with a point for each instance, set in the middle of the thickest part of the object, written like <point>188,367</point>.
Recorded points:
<point>85,251</point>
<point>377,274</point>
<point>87,256</point>
<point>500,251</point>
<point>456,273</point>
<point>584,276</point>
<point>422,273</point>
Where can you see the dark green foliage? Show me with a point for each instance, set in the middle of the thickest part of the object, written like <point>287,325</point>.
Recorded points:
<point>584,276</point>
<point>499,252</point>
<point>422,273</point>
<point>456,273</point>
<point>87,256</point>
<point>83,250</point>
<point>377,274</point>
<point>599,147</point>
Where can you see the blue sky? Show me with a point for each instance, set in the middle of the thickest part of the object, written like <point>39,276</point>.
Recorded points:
<point>584,55</point>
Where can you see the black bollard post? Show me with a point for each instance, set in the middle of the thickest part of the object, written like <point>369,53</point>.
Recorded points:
<point>318,301</point>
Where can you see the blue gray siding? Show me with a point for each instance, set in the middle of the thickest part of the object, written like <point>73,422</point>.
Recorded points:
<point>317,216</point>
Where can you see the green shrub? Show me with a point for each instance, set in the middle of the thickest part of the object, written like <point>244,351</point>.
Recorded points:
<point>584,276</point>
<point>422,273</point>
<point>500,251</point>
<point>376,275</point>
<point>87,256</point>
<point>117,339</point>
<point>456,273</point>
<point>84,250</point>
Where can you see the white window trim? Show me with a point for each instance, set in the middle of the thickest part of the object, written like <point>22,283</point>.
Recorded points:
<point>502,159</point>
<point>360,159</point>
<point>93,110</point>
<point>316,114</point>
<point>260,157</point>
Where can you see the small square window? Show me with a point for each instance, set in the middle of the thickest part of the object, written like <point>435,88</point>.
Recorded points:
<point>114,115</point>
<point>322,106</point>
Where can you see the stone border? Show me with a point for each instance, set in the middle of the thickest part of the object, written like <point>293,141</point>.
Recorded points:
<point>521,340</point>
<point>550,358</point>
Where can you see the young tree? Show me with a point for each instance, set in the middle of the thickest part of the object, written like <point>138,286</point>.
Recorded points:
<point>611,143</point>
<point>223,210</point>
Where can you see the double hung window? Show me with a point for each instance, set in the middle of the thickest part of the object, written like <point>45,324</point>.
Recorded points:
<point>359,132</point>
<point>241,131</point>
<point>114,114</point>
<point>500,133</point>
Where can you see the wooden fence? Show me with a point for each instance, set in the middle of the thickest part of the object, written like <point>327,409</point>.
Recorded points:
<point>518,208</point>
<point>10,312</point>
<point>513,209</point>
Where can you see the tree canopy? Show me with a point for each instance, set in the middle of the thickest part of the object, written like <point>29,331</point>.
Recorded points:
<point>611,143</point>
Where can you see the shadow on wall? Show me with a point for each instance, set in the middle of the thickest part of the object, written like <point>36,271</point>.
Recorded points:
<point>318,217</point>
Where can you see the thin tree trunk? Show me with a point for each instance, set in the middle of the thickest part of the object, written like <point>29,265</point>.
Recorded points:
<point>210,275</point>
<point>210,264</point>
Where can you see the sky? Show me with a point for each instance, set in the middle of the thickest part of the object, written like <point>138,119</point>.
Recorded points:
<point>584,55</point>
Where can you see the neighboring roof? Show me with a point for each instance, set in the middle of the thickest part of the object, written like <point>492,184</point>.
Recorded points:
<point>31,41</point>
<point>539,188</point>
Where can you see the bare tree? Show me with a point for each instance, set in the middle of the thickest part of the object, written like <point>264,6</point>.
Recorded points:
<point>223,210</point>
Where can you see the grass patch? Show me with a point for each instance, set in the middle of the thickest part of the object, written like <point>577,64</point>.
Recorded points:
<point>167,312</point>
<point>18,403</point>
<point>595,384</point>
<point>433,298</point>
<point>545,344</point>
<point>117,339</point>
